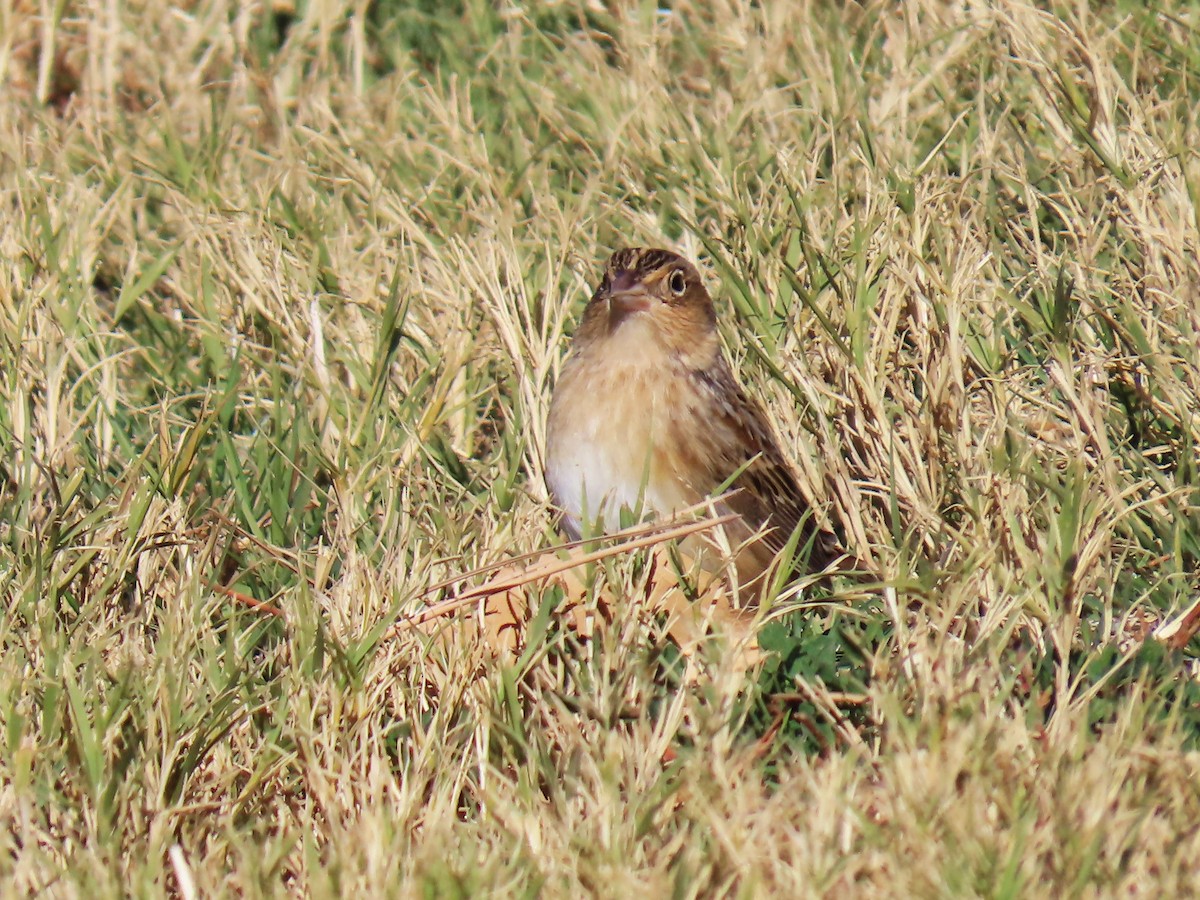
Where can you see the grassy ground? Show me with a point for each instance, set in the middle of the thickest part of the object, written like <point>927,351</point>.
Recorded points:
<point>283,295</point>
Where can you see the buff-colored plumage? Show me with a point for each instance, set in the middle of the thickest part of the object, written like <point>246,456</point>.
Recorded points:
<point>647,408</point>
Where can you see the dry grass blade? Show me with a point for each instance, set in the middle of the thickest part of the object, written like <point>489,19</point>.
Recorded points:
<point>505,611</point>
<point>1178,633</point>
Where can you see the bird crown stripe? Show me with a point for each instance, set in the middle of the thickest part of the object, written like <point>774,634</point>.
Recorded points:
<point>641,260</point>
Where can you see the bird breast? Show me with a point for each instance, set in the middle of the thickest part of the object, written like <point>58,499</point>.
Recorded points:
<point>613,437</point>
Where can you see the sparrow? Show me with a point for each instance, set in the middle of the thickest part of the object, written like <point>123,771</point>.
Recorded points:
<point>647,414</point>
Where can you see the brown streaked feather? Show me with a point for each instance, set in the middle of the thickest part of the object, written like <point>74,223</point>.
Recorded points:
<point>765,494</point>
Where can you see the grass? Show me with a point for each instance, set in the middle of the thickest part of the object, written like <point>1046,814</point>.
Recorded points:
<point>283,293</point>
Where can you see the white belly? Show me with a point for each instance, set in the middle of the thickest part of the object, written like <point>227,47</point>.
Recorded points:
<point>590,480</point>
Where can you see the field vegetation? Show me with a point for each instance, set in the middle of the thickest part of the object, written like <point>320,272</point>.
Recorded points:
<point>283,292</point>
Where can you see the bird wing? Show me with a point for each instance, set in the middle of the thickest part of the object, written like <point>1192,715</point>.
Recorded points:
<point>765,492</point>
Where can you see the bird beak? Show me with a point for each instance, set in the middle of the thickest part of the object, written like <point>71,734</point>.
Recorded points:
<point>626,296</point>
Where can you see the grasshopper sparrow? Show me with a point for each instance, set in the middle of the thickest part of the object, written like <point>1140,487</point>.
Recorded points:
<point>647,411</point>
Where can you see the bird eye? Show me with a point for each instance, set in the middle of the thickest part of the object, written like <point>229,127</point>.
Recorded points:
<point>677,282</point>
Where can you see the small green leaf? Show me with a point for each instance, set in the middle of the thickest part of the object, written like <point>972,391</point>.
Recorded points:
<point>131,293</point>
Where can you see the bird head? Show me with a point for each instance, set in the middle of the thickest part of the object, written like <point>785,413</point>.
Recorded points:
<point>654,293</point>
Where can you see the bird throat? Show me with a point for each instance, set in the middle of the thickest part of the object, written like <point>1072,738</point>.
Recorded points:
<point>633,341</point>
